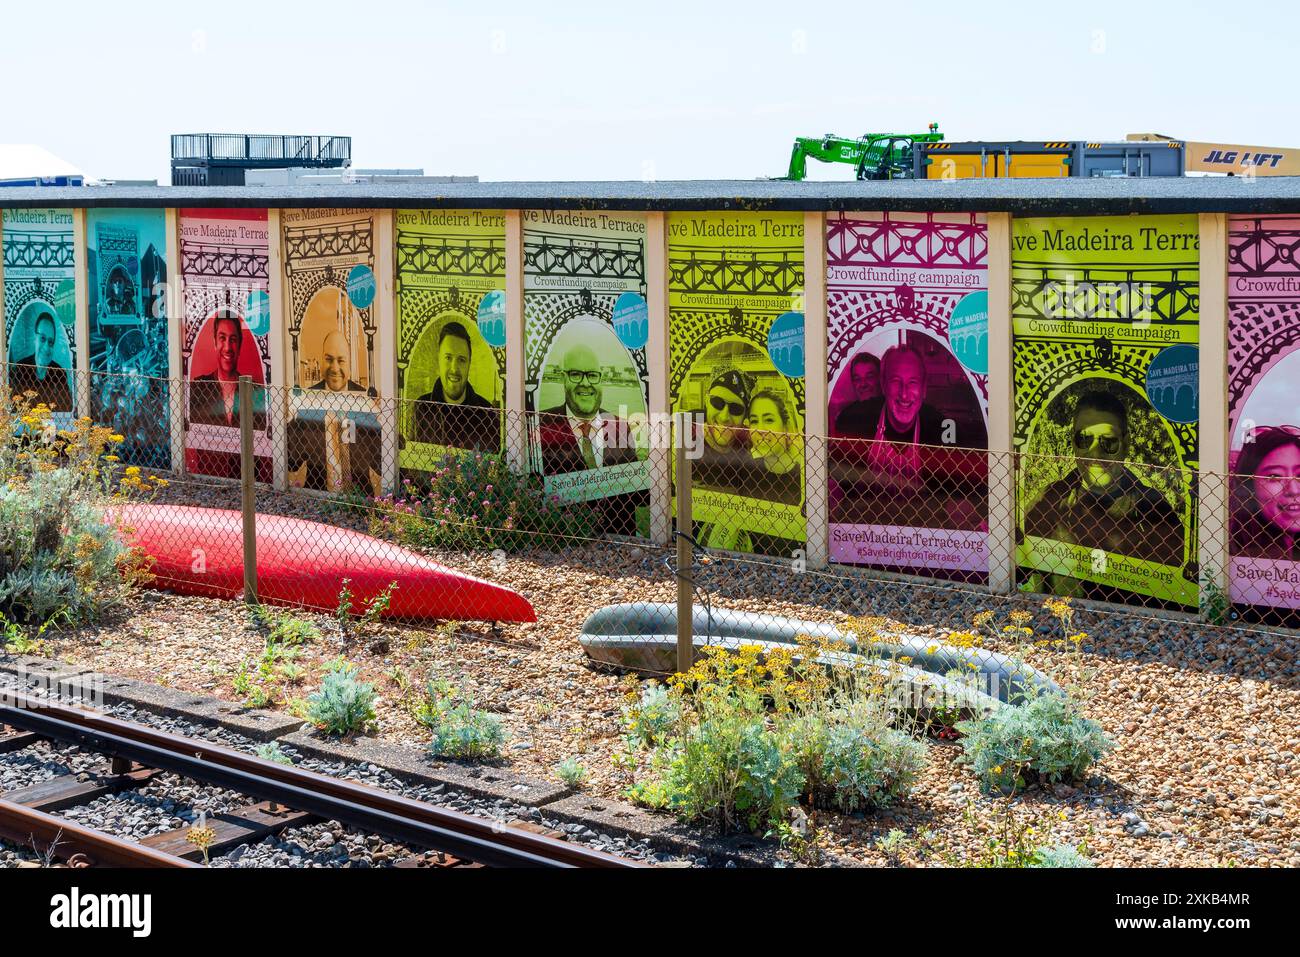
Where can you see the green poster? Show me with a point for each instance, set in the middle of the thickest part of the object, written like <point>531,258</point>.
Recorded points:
<point>1104,314</point>
<point>736,343</point>
<point>451,355</point>
<point>587,375</point>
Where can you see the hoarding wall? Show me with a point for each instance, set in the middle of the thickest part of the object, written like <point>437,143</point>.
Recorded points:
<point>907,341</point>
<point>40,308</point>
<point>334,435</point>
<point>736,347</point>
<point>128,335</point>
<point>224,269</point>
<point>1264,410</point>
<point>1106,324</point>
<point>1105,417</point>
<point>451,333</point>
<point>586,375</point>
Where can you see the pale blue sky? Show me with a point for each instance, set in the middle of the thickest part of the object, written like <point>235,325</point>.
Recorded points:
<point>664,90</point>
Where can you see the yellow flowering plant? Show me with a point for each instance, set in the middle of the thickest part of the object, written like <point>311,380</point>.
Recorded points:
<point>60,556</point>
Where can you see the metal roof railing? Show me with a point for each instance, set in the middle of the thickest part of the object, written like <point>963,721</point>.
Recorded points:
<point>241,149</point>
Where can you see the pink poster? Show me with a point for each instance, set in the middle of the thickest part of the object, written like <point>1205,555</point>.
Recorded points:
<point>1264,410</point>
<point>224,262</point>
<point>907,326</point>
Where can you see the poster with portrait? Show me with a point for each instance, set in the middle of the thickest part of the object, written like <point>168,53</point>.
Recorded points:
<point>586,327</point>
<point>224,263</point>
<point>1106,325</point>
<point>451,333</point>
<point>1264,411</point>
<point>126,264</point>
<point>736,365</point>
<point>40,313</point>
<point>334,436</point>
<point>907,340</point>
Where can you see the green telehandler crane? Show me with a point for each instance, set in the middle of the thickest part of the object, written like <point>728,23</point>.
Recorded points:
<point>876,155</point>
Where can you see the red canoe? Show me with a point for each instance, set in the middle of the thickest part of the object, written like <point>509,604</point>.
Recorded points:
<point>199,551</point>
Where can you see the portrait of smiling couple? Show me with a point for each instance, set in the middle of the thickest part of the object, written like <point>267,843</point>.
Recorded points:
<point>751,441</point>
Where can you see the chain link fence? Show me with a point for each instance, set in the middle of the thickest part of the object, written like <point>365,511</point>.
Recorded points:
<point>333,499</point>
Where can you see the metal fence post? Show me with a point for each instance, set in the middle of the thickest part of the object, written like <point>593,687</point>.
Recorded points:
<point>247,478</point>
<point>685,556</point>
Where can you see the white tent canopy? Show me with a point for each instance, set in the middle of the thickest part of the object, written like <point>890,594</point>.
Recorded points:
<point>27,161</point>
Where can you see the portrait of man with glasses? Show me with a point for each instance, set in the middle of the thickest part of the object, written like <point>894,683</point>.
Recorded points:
<point>1102,504</point>
<point>580,434</point>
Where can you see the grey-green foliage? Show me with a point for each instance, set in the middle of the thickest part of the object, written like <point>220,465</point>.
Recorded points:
<point>343,704</point>
<point>571,772</point>
<point>1062,855</point>
<point>852,759</point>
<point>1046,736</point>
<point>273,752</point>
<point>460,730</point>
<point>57,554</point>
<point>653,718</point>
<point>732,772</point>
<point>862,770</point>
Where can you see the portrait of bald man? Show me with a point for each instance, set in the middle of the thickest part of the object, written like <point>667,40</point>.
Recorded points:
<point>580,434</point>
<point>334,359</point>
<point>325,453</point>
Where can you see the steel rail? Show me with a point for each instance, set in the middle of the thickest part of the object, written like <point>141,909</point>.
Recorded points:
<point>66,839</point>
<point>358,805</point>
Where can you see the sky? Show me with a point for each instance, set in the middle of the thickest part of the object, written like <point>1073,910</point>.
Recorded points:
<point>648,91</point>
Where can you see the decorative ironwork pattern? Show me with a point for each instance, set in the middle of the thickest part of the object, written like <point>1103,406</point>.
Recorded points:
<point>559,254</point>
<point>695,330</point>
<point>449,256</point>
<point>328,241</point>
<point>777,272</point>
<point>34,250</point>
<point>1268,246</point>
<point>1046,367</point>
<point>855,315</point>
<point>311,253</point>
<point>897,241</point>
<point>225,262</point>
<point>1264,320</point>
<point>1168,295</point>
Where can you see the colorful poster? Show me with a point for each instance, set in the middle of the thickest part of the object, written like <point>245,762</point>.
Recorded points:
<point>1106,324</point>
<point>224,262</point>
<point>451,332</point>
<point>1264,410</point>
<point>587,376</point>
<point>129,352</point>
<point>907,338</point>
<point>736,343</point>
<point>40,308</point>
<point>334,438</point>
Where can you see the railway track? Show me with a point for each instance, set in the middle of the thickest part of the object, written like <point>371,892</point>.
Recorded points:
<point>283,797</point>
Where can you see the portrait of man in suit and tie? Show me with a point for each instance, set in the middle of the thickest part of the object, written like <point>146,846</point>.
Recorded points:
<point>582,433</point>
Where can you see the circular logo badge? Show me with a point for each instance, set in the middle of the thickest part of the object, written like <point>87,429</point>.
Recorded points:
<point>631,318</point>
<point>1174,384</point>
<point>361,286</point>
<point>492,319</point>
<point>968,332</point>
<point>257,312</point>
<point>65,301</point>
<point>785,345</point>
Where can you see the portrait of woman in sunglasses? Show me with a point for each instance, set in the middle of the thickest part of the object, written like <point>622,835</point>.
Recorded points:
<point>1266,495</point>
<point>1102,504</point>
